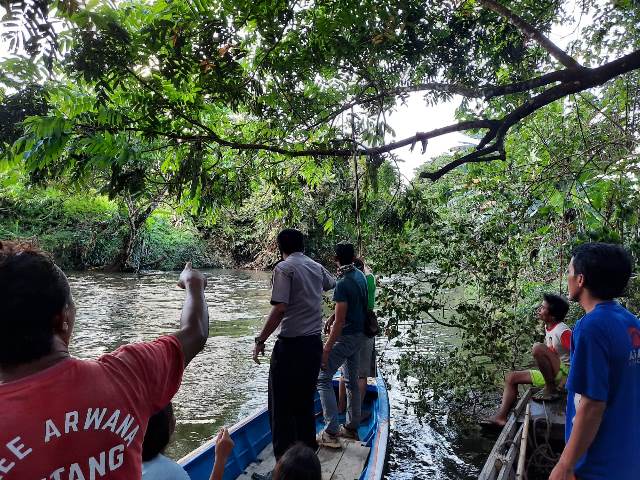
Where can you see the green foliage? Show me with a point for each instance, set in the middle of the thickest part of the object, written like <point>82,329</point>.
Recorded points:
<point>15,108</point>
<point>190,122</point>
<point>188,93</point>
<point>168,242</point>
<point>476,250</point>
<point>84,230</point>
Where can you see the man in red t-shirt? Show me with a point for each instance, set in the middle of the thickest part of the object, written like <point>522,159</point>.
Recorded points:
<point>62,418</point>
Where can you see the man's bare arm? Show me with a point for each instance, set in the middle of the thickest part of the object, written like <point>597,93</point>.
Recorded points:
<point>338,324</point>
<point>340,317</point>
<point>273,320</point>
<point>585,427</point>
<point>194,321</point>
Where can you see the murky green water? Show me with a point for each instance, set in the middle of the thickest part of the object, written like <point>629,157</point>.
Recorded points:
<point>222,384</point>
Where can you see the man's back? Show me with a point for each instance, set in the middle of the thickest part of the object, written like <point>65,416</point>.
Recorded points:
<point>86,419</point>
<point>352,288</point>
<point>605,366</point>
<point>299,282</point>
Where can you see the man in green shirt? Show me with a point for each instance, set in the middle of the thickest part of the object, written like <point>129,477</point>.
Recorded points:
<point>342,346</point>
<point>367,364</point>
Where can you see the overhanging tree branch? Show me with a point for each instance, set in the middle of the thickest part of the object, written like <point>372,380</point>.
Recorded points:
<point>311,152</point>
<point>533,33</point>
<point>487,154</point>
<point>489,148</point>
<point>588,79</point>
<point>487,91</point>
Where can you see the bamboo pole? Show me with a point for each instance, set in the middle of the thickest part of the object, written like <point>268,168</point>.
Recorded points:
<point>357,186</point>
<point>523,444</point>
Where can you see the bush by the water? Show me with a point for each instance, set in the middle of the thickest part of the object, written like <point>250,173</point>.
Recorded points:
<point>87,231</point>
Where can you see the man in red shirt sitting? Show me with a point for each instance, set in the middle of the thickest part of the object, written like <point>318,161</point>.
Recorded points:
<point>551,357</point>
<point>62,418</point>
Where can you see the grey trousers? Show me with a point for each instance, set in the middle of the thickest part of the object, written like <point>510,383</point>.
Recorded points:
<point>346,350</point>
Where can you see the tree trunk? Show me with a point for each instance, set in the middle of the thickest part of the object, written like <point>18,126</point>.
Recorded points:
<point>136,220</point>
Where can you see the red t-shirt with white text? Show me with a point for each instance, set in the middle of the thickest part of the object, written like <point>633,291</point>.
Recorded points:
<point>85,419</point>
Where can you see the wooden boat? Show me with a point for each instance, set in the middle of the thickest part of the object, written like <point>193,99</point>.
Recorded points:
<point>253,451</point>
<point>532,429</point>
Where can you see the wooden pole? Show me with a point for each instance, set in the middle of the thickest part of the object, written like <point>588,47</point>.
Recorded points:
<point>357,185</point>
<point>523,444</point>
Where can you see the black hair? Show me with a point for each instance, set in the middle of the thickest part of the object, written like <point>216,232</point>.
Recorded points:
<point>359,263</point>
<point>345,253</point>
<point>558,305</point>
<point>606,268</point>
<point>298,463</point>
<point>290,240</point>
<point>33,290</point>
<point>158,433</point>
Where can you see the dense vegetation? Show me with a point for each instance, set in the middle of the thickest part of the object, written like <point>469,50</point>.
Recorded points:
<point>495,237</point>
<point>140,134</point>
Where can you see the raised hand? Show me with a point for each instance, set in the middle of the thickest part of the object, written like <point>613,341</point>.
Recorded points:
<point>224,446</point>
<point>191,278</point>
<point>224,443</point>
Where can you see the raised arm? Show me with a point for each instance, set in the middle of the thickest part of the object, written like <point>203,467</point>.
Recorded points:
<point>224,446</point>
<point>194,321</point>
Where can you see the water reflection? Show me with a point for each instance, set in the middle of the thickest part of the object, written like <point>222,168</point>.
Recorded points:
<point>222,384</point>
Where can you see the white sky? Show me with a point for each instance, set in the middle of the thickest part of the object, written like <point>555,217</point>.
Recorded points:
<point>415,116</point>
<point>418,117</point>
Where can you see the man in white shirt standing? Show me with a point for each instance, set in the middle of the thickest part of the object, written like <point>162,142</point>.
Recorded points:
<point>296,299</point>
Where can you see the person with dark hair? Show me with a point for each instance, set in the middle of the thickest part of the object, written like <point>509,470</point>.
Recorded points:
<point>298,285</point>
<point>155,466</point>
<point>298,463</point>
<point>551,357</point>
<point>343,347</point>
<point>290,241</point>
<point>602,427</point>
<point>70,417</point>
<point>367,362</point>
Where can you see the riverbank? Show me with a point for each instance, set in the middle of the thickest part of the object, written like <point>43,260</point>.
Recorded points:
<point>89,231</point>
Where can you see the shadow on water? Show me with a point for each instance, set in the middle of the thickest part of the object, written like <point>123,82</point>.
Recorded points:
<point>223,385</point>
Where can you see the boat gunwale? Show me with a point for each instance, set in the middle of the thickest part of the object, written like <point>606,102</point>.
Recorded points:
<point>211,443</point>
<point>509,431</point>
<point>378,455</point>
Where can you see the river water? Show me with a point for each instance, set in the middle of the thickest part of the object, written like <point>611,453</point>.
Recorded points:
<point>222,384</point>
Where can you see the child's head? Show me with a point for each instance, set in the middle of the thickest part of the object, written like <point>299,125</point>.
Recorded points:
<point>159,431</point>
<point>298,463</point>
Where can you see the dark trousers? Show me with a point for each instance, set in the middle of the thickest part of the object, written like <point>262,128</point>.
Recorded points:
<point>295,364</point>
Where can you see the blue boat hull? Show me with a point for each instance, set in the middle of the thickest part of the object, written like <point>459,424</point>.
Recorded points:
<point>253,434</point>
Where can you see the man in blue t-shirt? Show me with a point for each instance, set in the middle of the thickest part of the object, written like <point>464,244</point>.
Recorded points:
<point>603,405</point>
<point>343,347</point>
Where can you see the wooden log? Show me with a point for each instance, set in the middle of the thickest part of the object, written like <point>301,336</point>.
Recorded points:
<point>523,444</point>
<point>490,470</point>
<point>508,469</point>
